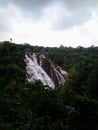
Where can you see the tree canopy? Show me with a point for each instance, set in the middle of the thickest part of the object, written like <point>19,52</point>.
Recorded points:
<point>32,106</point>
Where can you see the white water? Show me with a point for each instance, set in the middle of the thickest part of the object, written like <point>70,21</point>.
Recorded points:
<point>59,76</point>
<point>41,57</point>
<point>63,72</point>
<point>35,72</point>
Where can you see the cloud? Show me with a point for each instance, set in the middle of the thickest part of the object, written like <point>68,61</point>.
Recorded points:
<point>11,10</point>
<point>10,17</point>
<point>80,11</point>
<point>32,8</point>
<point>72,19</point>
<point>70,13</point>
<point>5,20</point>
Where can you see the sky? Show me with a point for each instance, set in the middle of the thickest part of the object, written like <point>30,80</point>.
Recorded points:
<point>50,22</point>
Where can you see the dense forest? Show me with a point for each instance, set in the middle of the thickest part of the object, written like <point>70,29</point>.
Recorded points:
<point>32,106</point>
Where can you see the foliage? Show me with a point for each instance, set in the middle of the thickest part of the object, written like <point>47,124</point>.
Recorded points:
<point>32,106</point>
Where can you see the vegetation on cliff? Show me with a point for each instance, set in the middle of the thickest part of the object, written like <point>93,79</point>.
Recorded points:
<point>32,106</point>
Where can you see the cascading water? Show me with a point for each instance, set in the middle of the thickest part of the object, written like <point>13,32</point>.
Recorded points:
<point>51,76</point>
<point>35,72</point>
<point>60,77</point>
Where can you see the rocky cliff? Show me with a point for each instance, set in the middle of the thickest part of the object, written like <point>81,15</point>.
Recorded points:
<point>40,68</point>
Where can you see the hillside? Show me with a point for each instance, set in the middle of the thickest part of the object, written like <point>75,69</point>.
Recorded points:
<point>71,105</point>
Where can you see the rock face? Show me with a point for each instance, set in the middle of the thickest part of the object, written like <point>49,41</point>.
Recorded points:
<point>40,68</point>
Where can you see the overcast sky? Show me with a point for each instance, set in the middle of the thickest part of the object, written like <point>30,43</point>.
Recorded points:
<point>50,22</point>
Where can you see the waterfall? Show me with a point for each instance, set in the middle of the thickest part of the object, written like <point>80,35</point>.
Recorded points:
<point>35,72</point>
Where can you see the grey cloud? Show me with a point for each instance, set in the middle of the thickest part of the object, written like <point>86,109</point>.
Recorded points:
<point>80,10</point>
<point>4,26</point>
<point>76,17</point>
<point>34,8</point>
<point>3,3</point>
<point>76,4</point>
<point>5,20</point>
<point>32,4</point>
